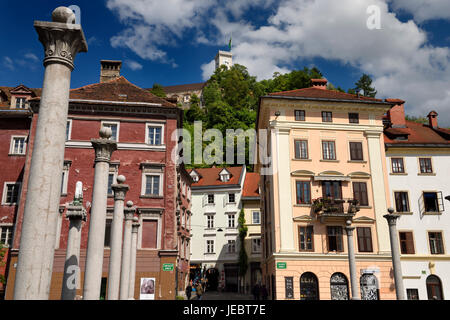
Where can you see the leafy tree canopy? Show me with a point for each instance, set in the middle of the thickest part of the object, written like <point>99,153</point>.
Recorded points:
<point>364,83</point>
<point>158,90</point>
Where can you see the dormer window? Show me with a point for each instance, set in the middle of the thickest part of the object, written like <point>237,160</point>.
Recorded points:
<point>195,176</point>
<point>224,175</point>
<point>21,103</point>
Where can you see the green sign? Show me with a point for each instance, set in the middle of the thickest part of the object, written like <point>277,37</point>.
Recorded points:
<point>167,266</point>
<point>281,265</point>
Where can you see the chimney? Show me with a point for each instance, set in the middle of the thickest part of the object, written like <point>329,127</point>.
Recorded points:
<point>110,69</point>
<point>319,83</point>
<point>432,119</point>
<point>397,113</point>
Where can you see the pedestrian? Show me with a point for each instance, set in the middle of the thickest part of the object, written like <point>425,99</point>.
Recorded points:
<point>199,291</point>
<point>203,284</point>
<point>256,292</point>
<point>188,291</point>
<point>264,292</point>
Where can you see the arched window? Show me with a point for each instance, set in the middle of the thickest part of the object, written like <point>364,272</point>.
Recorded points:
<point>339,286</point>
<point>434,288</point>
<point>309,286</point>
<point>369,287</point>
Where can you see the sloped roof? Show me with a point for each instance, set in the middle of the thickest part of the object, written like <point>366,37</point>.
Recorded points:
<point>316,93</point>
<point>184,87</point>
<point>417,133</point>
<point>251,185</point>
<point>6,91</point>
<point>210,176</point>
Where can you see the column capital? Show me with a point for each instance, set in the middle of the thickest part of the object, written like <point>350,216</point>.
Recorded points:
<point>135,225</point>
<point>129,211</point>
<point>373,134</point>
<point>120,191</point>
<point>62,38</point>
<point>103,149</point>
<point>391,218</point>
<point>76,212</point>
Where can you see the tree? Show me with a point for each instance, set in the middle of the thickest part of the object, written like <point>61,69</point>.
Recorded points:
<point>3,251</point>
<point>364,83</point>
<point>158,90</point>
<point>422,120</point>
<point>243,257</point>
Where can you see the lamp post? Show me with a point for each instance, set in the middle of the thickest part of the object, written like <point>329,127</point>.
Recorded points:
<point>398,278</point>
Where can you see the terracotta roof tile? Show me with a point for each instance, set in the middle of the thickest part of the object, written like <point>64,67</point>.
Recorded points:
<point>418,134</point>
<point>322,94</point>
<point>210,176</point>
<point>251,185</point>
<point>184,87</point>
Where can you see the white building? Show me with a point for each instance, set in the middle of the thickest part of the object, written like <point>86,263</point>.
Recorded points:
<point>216,203</point>
<point>418,162</point>
<point>224,58</point>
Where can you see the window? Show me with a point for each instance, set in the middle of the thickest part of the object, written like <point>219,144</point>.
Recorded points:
<point>103,286</point>
<point>231,246</point>
<point>231,221</point>
<point>432,201</point>
<point>303,192</point>
<point>301,149</point>
<point>68,129</point>
<point>434,288</point>
<point>6,233</point>
<point>406,242</point>
<point>256,217</point>
<point>256,245</point>
<point>360,193</point>
<point>436,244</point>
<point>305,235</point>
<point>364,239</point>
<point>328,150</point>
<point>401,201</point>
<point>356,152</point>
<point>231,198</point>
<point>332,189</point>
<point>327,116</point>
<point>18,145</point>
<point>152,185</point>
<point>412,294</point>
<point>397,165</point>
<point>299,115</point>
<point>425,165</point>
<point>11,193</point>
<point>149,234</point>
<point>211,198</point>
<point>187,98</point>
<point>114,126</point>
<point>108,233</point>
<point>111,181</point>
<point>353,117</point>
<point>335,239</point>
<point>21,103</point>
<point>65,177</point>
<point>209,246</point>
<point>154,136</point>
<point>210,221</point>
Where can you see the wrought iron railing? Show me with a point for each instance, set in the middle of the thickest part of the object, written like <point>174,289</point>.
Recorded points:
<point>332,206</point>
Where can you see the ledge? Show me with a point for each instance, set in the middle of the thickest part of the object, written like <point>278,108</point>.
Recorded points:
<point>356,161</point>
<point>426,174</point>
<point>308,160</point>
<point>302,205</point>
<point>398,174</point>
<point>323,160</point>
<point>405,213</point>
<point>432,213</point>
<point>17,154</point>
<point>150,197</point>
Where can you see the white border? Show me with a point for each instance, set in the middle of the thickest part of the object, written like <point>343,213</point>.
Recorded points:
<point>11,146</point>
<point>5,192</point>
<point>154,124</point>
<point>117,123</point>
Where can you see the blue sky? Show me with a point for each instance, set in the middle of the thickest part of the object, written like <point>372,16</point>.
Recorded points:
<point>174,42</point>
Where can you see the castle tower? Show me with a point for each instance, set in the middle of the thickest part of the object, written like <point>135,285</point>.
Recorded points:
<point>224,58</point>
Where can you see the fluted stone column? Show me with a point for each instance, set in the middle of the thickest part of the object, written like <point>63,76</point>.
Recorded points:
<point>71,280</point>
<point>120,190</point>
<point>398,277</point>
<point>62,40</point>
<point>97,222</point>
<point>126,252</point>
<point>352,261</point>
<point>134,238</point>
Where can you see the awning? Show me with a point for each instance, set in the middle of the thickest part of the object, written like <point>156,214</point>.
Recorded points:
<point>332,178</point>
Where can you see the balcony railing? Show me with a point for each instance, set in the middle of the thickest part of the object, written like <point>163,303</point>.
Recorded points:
<point>335,207</point>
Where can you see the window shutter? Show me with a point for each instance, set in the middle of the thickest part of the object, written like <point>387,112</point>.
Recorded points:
<point>363,192</point>
<point>205,198</point>
<point>409,243</point>
<point>440,201</point>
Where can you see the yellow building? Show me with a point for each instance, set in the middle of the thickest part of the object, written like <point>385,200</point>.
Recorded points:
<point>327,151</point>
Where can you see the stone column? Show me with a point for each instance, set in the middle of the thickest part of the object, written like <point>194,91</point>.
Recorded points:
<point>71,278</point>
<point>352,261</point>
<point>398,277</point>
<point>62,40</point>
<point>126,252</point>
<point>97,222</point>
<point>120,190</point>
<point>134,238</point>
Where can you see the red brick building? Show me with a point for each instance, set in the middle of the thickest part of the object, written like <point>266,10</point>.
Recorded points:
<point>142,124</point>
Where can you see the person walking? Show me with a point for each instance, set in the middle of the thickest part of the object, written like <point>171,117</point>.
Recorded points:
<point>199,291</point>
<point>189,291</point>
<point>264,292</point>
<point>256,292</point>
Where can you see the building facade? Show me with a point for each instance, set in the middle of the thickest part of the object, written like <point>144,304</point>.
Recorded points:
<point>418,162</point>
<point>216,203</point>
<point>328,169</point>
<point>142,125</point>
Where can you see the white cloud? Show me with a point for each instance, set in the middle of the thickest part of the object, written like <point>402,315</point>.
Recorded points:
<point>423,10</point>
<point>133,65</point>
<point>8,63</point>
<point>208,69</point>
<point>31,57</point>
<point>399,57</point>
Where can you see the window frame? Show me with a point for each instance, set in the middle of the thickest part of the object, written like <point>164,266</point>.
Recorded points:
<point>407,198</point>
<point>212,244</point>
<point>69,130</point>
<point>420,165</point>
<point>352,119</point>
<point>438,207</point>
<point>231,246</point>
<point>213,198</point>
<point>9,234</point>
<point>302,191</point>
<point>259,246</point>
<point>231,216</point>
<point>334,150</point>
<point>300,144</point>
<point>351,151</point>
<point>5,193</point>
<point>406,241</point>
<point>327,116</point>
<point>117,123</point>
<point>23,102</point>
<point>338,236</point>
<point>65,177</point>
<point>149,125</point>
<point>366,204</point>
<point>210,221</point>
<point>150,217</point>
<point>442,242</point>
<point>306,227</point>
<point>403,165</point>
<point>365,242</point>
<point>12,145</point>
<point>253,217</point>
<point>301,115</point>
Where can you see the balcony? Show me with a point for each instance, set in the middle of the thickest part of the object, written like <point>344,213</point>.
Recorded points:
<point>335,210</point>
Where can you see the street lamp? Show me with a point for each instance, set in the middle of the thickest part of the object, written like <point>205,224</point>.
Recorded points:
<point>448,197</point>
